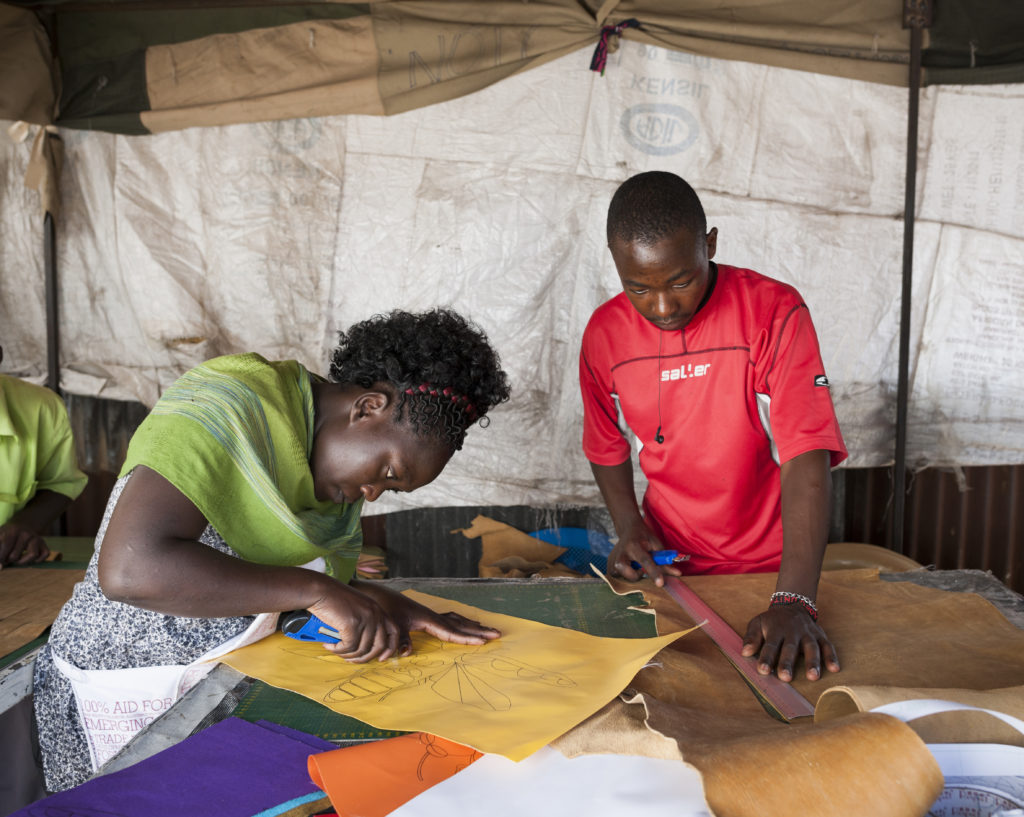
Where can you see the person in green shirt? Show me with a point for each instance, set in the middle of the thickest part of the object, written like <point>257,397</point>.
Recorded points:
<point>39,474</point>
<point>241,494</point>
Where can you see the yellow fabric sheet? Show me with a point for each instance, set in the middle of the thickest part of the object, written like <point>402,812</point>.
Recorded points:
<point>509,697</point>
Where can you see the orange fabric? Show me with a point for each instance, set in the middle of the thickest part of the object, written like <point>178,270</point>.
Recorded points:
<point>373,779</point>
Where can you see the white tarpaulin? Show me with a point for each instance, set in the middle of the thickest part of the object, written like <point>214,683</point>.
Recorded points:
<point>271,237</point>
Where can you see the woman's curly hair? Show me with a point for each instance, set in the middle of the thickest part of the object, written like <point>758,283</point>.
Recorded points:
<point>444,371</point>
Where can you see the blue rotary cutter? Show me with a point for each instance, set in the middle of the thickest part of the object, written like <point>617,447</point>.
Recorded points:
<point>302,625</point>
<point>663,557</point>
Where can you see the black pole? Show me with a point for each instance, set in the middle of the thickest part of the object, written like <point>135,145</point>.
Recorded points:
<point>52,323</point>
<point>917,15</point>
<point>52,318</point>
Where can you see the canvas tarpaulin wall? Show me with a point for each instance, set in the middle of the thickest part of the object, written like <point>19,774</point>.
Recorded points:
<point>270,237</point>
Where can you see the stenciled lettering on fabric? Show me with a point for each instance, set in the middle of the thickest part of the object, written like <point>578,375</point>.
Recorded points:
<point>653,53</point>
<point>668,86</point>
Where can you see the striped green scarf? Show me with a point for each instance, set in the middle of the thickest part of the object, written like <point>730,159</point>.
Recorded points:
<point>234,435</point>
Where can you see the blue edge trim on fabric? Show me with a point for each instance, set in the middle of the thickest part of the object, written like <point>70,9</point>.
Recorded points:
<point>298,801</point>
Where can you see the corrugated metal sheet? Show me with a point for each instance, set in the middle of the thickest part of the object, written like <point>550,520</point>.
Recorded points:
<point>103,429</point>
<point>425,541</point>
<point>970,518</point>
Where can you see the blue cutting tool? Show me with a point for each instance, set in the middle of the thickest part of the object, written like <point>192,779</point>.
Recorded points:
<point>663,557</point>
<point>302,625</point>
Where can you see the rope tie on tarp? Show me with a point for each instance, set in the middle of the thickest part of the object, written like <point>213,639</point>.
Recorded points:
<point>600,58</point>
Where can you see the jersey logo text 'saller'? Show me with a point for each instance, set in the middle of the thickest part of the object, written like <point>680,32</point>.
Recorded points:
<point>685,371</point>
<point>821,380</point>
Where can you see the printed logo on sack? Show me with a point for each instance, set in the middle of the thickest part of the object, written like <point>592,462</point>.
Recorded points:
<point>291,135</point>
<point>821,380</point>
<point>659,129</point>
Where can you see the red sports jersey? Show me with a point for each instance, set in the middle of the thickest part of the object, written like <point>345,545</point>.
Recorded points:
<point>736,392</point>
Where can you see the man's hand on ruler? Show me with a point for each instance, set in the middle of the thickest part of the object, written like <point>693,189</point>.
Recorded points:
<point>780,635</point>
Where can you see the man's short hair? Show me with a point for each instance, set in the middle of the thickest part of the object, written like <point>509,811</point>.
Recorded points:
<point>649,206</point>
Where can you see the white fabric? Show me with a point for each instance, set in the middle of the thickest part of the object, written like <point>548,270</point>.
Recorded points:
<point>115,705</point>
<point>913,709</point>
<point>548,784</point>
<point>981,778</point>
<point>270,237</point>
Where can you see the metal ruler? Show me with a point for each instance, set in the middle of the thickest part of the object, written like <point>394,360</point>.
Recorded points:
<point>779,698</point>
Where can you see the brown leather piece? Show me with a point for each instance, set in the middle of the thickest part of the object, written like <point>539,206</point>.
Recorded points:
<point>888,634</point>
<point>895,634</point>
<point>866,765</point>
<point>965,726</point>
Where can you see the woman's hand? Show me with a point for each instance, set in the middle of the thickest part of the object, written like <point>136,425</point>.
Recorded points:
<point>410,616</point>
<point>780,635</point>
<point>365,630</point>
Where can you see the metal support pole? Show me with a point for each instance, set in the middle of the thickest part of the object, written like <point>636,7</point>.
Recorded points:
<point>52,318</point>
<point>52,322</point>
<point>917,15</point>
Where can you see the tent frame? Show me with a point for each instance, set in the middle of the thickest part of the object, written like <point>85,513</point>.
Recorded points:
<point>917,16</point>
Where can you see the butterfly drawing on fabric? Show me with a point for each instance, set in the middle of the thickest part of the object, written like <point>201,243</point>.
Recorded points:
<point>452,755</point>
<point>472,676</point>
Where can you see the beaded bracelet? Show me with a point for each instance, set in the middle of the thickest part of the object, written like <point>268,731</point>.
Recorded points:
<point>783,598</point>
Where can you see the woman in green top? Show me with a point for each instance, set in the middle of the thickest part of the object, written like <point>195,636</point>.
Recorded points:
<point>241,494</point>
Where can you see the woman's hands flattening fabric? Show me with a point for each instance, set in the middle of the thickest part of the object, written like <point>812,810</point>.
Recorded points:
<point>150,558</point>
<point>365,631</point>
<point>367,635</point>
<point>374,622</point>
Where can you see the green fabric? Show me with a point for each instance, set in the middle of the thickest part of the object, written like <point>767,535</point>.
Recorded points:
<point>975,42</point>
<point>234,435</point>
<point>103,52</point>
<point>105,96</point>
<point>95,33</point>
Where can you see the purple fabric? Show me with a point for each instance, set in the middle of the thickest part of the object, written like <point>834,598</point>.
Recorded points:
<point>231,769</point>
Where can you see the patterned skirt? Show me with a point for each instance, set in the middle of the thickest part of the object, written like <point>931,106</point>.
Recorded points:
<point>93,633</point>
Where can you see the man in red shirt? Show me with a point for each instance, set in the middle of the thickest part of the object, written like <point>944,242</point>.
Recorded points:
<point>715,372</point>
